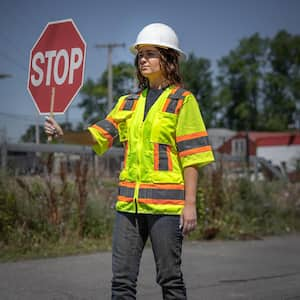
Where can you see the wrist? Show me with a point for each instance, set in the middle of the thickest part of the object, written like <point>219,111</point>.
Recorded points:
<point>58,136</point>
<point>190,200</point>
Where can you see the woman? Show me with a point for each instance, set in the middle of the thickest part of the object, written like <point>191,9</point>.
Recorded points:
<point>165,143</point>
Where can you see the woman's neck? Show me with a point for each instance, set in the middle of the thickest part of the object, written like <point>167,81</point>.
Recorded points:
<point>158,83</point>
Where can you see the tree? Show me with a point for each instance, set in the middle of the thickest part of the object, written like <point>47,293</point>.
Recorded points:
<point>259,83</point>
<point>198,79</point>
<point>282,82</point>
<point>30,137</point>
<point>94,94</point>
<point>239,84</point>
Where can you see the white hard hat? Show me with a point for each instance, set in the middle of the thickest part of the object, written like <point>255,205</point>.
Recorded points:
<point>158,34</point>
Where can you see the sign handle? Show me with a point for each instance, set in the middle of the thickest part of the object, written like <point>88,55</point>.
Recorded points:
<point>51,108</point>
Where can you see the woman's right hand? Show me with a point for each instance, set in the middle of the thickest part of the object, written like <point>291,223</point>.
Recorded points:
<point>52,129</point>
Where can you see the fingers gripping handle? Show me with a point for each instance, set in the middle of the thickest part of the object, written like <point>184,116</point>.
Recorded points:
<point>51,109</point>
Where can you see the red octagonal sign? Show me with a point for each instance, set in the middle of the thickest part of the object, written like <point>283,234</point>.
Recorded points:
<point>56,67</point>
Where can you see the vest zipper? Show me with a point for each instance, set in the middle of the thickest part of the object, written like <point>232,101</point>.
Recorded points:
<point>135,205</point>
<point>135,196</point>
<point>139,156</point>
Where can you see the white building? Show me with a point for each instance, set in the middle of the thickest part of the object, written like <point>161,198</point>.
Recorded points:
<point>280,148</point>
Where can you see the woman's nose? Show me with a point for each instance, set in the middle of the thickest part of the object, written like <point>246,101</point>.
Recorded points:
<point>142,60</point>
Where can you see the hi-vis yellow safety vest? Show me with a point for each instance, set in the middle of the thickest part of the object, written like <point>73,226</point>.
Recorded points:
<point>156,150</point>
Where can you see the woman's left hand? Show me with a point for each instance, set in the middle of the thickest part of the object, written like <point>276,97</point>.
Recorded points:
<point>188,218</point>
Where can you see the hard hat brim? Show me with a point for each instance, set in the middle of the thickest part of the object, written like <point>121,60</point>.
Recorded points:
<point>133,49</point>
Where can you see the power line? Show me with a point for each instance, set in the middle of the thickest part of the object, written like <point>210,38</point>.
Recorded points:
<point>18,116</point>
<point>17,19</point>
<point>13,61</point>
<point>28,117</point>
<point>11,16</point>
<point>15,47</point>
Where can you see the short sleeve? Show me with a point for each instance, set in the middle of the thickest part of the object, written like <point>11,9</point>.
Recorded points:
<point>105,131</point>
<point>191,135</point>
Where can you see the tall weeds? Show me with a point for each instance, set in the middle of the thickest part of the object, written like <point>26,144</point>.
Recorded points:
<point>53,208</point>
<point>81,172</point>
<point>239,208</point>
<point>72,206</point>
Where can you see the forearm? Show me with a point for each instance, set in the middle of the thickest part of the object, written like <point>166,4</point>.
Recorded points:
<point>53,130</point>
<point>78,138</point>
<point>188,219</point>
<point>191,182</point>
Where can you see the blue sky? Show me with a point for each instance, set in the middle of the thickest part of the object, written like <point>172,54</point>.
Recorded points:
<point>209,28</point>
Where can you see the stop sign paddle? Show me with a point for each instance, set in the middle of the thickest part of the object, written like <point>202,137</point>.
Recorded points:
<point>56,67</point>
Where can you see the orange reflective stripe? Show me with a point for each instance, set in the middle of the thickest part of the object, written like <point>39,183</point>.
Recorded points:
<point>161,201</point>
<point>125,199</point>
<point>186,93</point>
<point>122,105</point>
<point>167,102</point>
<point>106,134</point>
<point>157,194</point>
<point>127,184</point>
<point>134,105</point>
<point>129,103</point>
<point>98,128</point>
<point>162,186</point>
<point>195,150</point>
<point>112,122</point>
<point>191,136</point>
<point>178,106</point>
<point>174,90</point>
<point>180,101</point>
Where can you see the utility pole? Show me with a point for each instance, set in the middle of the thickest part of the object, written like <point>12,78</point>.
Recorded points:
<point>296,116</point>
<point>110,48</point>
<point>37,129</point>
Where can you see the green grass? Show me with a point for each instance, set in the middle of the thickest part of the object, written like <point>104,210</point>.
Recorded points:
<point>58,249</point>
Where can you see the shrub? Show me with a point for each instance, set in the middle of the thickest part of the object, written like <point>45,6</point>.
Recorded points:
<point>241,208</point>
<point>72,212</point>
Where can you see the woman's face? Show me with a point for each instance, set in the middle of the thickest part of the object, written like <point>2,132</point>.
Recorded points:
<point>149,62</point>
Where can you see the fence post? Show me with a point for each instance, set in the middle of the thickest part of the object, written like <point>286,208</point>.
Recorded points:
<point>256,167</point>
<point>3,145</point>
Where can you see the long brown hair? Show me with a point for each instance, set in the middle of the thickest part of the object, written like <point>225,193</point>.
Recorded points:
<point>169,63</point>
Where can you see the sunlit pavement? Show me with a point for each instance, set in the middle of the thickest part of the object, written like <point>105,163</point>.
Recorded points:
<point>256,269</point>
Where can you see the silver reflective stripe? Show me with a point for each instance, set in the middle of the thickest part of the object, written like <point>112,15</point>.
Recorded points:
<point>109,127</point>
<point>130,101</point>
<point>163,158</point>
<point>192,143</point>
<point>172,106</point>
<point>126,191</point>
<point>161,194</point>
<point>178,94</point>
<point>174,100</point>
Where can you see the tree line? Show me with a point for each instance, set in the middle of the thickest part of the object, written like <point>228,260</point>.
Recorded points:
<point>256,86</point>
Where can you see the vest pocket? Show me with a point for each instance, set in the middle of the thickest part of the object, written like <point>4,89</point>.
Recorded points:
<point>163,128</point>
<point>123,118</point>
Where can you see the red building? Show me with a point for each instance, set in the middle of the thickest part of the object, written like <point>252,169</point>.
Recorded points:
<point>281,148</point>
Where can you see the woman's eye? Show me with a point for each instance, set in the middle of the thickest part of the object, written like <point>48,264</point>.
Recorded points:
<point>148,54</point>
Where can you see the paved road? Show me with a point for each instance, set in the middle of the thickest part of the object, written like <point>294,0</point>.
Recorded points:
<point>266,269</point>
